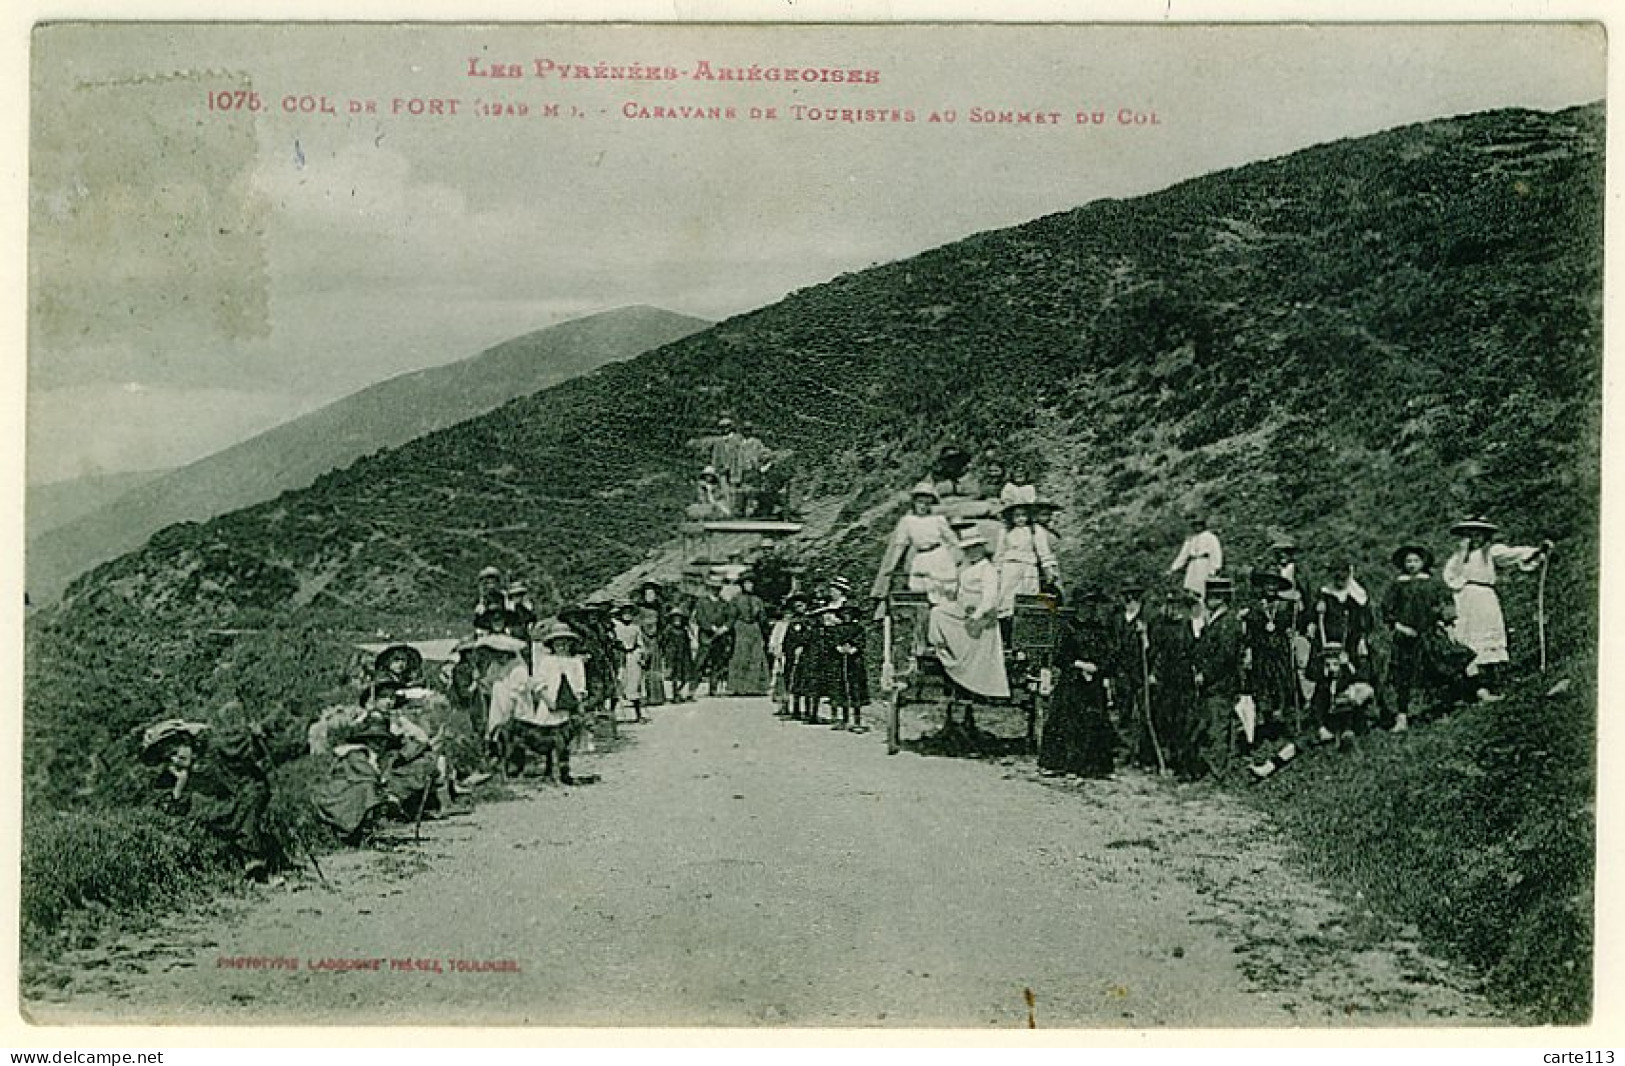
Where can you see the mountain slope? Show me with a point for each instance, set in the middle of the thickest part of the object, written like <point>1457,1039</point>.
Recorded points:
<point>380,416</point>
<point>57,503</point>
<point>1354,344</point>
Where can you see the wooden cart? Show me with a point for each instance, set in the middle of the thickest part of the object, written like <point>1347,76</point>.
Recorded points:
<point>911,674</point>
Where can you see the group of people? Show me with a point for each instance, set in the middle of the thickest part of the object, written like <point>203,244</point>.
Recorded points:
<point>743,477</point>
<point>1182,679</point>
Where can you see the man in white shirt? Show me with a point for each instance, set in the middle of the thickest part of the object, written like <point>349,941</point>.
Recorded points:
<point>1200,557</point>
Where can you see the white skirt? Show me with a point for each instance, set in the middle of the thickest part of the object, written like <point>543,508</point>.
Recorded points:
<point>1480,624</point>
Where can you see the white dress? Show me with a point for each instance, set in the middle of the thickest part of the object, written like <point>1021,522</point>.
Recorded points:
<point>934,563</point>
<point>1024,554</point>
<point>965,632</point>
<point>1471,576</point>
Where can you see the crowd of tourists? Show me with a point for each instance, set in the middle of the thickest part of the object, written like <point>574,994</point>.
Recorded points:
<point>1183,675</point>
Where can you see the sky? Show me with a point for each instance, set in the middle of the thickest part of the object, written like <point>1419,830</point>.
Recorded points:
<point>198,275</point>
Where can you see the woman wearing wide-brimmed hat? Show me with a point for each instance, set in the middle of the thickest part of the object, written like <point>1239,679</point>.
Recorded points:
<point>651,618</point>
<point>632,648</point>
<point>925,542</point>
<point>1417,609</point>
<point>1025,559</point>
<point>964,631</point>
<point>1470,573</point>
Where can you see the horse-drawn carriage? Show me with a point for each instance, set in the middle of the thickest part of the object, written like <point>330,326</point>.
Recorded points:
<point>912,676</point>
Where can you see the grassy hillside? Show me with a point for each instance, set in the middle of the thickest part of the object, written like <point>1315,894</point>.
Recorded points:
<point>1354,344</point>
<point>384,415</point>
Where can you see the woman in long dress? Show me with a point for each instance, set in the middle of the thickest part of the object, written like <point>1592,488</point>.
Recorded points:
<point>1024,559</point>
<point>1078,737</point>
<point>747,667</point>
<point>931,548</point>
<point>964,631</point>
<point>1470,573</point>
<point>634,654</point>
<point>651,619</point>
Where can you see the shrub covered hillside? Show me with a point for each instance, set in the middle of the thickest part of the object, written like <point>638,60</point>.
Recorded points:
<point>1355,344</point>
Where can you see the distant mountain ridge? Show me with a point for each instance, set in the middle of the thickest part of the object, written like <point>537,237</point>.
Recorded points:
<point>1353,343</point>
<point>381,416</point>
<point>56,503</point>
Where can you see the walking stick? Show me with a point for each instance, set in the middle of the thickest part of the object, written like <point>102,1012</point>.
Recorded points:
<point>1540,610</point>
<point>1145,687</point>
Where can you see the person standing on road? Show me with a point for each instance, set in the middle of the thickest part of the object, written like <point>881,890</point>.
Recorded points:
<point>1078,737</point>
<point>714,619</point>
<point>1219,658</point>
<point>1126,669</point>
<point>633,653</point>
<point>1471,573</point>
<point>850,690</point>
<point>677,652</point>
<point>747,665</point>
<point>1172,657</point>
<point>1267,657</point>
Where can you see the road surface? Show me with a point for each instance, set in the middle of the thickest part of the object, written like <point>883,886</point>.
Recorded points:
<point>736,869</point>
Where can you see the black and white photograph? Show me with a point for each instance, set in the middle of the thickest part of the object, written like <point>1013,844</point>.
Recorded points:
<point>804,525</point>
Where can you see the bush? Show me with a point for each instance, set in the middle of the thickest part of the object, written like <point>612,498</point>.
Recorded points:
<point>120,860</point>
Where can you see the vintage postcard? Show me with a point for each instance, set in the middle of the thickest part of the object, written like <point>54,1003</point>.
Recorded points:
<point>895,526</point>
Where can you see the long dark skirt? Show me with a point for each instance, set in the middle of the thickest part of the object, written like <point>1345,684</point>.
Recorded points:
<point>1078,737</point>
<point>747,666</point>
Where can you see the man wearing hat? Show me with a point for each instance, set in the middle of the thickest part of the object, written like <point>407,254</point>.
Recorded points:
<point>1200,557</point>
<point>924,541</point>
<point>1418,610</point>
<point>964,631</point>
<point>1471,573</point>
<point>492,596</point>
<point>1171,655</point>
<point>714,620</point>
<point>1219,650</point>
<point>1125,661</point>
<point>1285,552</point>
<point>1267,657</point>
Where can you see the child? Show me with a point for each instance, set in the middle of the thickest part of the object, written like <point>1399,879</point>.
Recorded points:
<point>851,689</point>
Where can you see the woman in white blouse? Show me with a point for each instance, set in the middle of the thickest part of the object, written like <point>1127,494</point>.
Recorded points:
<point>926,540</point>
<point>964,632</point>
<point>1470,573</point>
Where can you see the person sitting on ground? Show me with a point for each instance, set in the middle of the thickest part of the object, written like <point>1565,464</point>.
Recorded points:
<point>221,778</point>
<point>1340,628</point>
<point>1471,573</point>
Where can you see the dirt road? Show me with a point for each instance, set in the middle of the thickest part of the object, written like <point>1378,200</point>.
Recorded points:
<point>732,868</point>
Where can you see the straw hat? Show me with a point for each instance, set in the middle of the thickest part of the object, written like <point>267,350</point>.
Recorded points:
<point>157,738</point>
<point>973,538</point>
<point>925,488</point>
<point>559,631</point>
<point>501,642</point>
<point>1475,524</point>
<point>414,658</point>
<point>1411,549</point>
